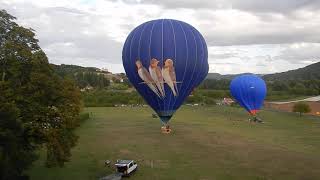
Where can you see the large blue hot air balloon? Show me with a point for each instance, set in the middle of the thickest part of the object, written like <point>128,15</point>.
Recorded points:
<point>164,60</point>
<point>249,90</point>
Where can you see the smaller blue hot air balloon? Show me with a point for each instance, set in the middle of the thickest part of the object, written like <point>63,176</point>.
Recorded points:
<point>250,91</point>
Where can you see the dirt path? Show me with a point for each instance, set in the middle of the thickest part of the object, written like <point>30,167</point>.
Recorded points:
<point>310,99</point>
<point>313,102</point>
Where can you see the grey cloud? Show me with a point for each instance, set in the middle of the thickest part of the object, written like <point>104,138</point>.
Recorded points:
<point>261,63</point>
<point>223,55</point>
<point>279,6</point>
<point>261,28</point>
<point>269,29</point>
<point>269,58</point>
<point>224,63</point>
<point>98,47</point>
<point>70,35</point>
<point>66,10</point>
<point>245,58</point>
<point>67,33</point>
<point>283,6</point>
<point>300,53</point>
<point>266,58</point>
<point>276,35</point>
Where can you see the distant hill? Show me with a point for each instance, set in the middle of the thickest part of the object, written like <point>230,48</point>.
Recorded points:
<point>65,69</point>
<point>88,77</point>
<point>309,72</point>
<point>92,76</point>
<point>217,76</point>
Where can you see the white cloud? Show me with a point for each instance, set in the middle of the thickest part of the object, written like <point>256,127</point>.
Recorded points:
<point>242,35</point>
<point>260,59</point>
<point>301,53</point>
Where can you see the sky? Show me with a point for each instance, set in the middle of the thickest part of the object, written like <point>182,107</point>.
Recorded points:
<point>256,36</point>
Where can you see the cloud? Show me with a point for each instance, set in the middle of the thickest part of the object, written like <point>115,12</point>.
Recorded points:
<point>70,34</point>
<point>301,53</point>
<point>223,55</point>
<point>234,27</point>
<point>242,35</point>
<point>282,6</point>
<point>261,59</point>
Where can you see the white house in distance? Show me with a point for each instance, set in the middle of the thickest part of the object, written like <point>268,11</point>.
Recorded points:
<point>227,101</point>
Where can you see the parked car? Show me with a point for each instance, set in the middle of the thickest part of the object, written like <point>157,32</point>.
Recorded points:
<point>126,167</point>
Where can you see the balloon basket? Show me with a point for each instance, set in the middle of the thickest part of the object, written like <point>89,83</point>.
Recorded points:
<point>166,130</point>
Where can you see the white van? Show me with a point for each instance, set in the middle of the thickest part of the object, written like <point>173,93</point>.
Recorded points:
<point>126,167</point>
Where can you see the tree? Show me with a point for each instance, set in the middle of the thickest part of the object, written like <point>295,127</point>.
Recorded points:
<point>301,107</point>
<point>37,107</point>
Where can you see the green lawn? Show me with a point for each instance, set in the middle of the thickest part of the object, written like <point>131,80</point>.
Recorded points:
<point>207,143</point>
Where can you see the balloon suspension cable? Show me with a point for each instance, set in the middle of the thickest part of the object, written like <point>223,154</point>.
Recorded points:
<point>164,123</point>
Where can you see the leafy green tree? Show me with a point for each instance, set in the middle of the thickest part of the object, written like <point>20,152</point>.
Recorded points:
<point>299,88</point>
<point>37,107</point>
<point>301,107</point>
<point>83,76</point>
<point>279,86</point>
<point>222,84</point>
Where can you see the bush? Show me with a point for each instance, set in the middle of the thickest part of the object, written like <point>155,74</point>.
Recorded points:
<point>301,107</point>
<point>107,98</point>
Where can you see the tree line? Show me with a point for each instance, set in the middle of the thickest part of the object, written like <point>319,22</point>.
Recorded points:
<point>83,77</point>
<point>294,87</point>
<point>111,98</point>
<point>209,92</point>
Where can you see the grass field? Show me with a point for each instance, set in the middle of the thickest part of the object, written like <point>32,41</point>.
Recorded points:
<point>207,143</point>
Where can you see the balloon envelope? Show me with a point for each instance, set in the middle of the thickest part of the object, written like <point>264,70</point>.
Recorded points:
<point>249,90</point>
<point>164,60</point>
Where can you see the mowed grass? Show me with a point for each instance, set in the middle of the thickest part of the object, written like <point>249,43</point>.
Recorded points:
<point>207,143</point>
